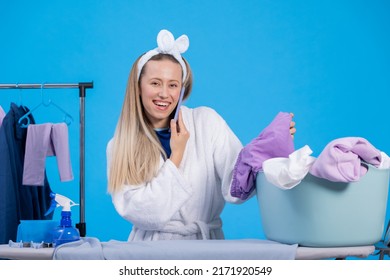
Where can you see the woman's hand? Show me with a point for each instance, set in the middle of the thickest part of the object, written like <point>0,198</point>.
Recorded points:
<point>179,138</point>
<point>292,126</point>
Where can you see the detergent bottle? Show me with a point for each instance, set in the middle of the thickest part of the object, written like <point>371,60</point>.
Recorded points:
<point>65,232</point>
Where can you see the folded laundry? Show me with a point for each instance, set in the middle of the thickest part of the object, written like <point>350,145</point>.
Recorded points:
<point>341,160</point>
<point>274,141</point>
<point>286,173</point>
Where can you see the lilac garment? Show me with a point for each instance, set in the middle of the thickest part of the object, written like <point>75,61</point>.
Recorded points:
<point>45,140</point>
<point>2,115</point>
<point>340,161</point>
<point>274,141</point>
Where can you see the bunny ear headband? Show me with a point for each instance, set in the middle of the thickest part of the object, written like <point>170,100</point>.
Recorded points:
<point>168,45</point>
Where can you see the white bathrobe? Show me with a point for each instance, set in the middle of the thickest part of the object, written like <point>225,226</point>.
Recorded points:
<point>185,202</point>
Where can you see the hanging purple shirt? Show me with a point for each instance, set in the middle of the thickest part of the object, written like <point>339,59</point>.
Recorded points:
<point>45,140</point>
<point>274,141</point>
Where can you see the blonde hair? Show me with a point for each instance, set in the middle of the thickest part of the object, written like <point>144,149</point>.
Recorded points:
<point>136,149</point>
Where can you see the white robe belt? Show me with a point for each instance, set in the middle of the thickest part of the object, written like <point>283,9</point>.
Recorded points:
<point>194,227</point>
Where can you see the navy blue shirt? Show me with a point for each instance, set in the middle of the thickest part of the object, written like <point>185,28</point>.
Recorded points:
<point>164,135</point>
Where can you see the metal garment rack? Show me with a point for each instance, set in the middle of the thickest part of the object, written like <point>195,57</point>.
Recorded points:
<point>82,94</point>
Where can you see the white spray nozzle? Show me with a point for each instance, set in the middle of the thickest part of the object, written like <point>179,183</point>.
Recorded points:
<point>60,200</point>
<point>64,202</point>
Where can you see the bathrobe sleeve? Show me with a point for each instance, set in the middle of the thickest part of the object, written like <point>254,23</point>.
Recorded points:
<point>226,148</point>
<point>151,205</point>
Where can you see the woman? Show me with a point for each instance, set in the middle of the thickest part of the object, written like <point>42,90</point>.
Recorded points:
<point>169,179</point>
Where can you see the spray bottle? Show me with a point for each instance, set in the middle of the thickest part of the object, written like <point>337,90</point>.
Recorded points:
<point>65,232</point>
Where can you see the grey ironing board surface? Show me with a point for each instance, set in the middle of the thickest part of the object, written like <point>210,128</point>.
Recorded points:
<point>91,248</point>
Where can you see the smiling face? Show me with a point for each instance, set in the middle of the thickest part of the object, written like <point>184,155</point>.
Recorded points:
<point>160,89</point>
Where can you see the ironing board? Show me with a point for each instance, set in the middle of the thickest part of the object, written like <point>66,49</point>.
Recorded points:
<point>302,253</point>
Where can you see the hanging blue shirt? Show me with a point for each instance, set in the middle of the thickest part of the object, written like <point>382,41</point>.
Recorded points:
<point>164,135</point>
<point>18,201</point>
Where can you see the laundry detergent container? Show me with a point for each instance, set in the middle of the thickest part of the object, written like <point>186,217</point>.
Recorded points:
<point>321,213</point>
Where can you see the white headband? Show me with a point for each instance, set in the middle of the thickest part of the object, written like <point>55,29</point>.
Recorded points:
<point>167,45</point>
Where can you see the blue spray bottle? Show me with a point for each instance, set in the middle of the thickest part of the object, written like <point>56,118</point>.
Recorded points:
<point>65,232</point>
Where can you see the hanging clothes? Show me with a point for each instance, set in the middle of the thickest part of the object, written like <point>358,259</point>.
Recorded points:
<point>17,201</point>
<point>45,140</point>
<point>2,115</point>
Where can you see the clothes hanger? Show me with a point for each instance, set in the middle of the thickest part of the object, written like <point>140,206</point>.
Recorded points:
<point>21,98</point>
<point>24,121</point>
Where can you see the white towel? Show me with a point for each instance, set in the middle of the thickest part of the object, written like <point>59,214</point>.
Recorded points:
<point>286,173</point>
<point>385,161</point>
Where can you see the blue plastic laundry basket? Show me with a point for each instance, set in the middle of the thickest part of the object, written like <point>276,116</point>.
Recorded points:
<point>321,213</point>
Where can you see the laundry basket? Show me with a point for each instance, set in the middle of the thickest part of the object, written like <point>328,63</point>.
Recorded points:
<point>321,213</point>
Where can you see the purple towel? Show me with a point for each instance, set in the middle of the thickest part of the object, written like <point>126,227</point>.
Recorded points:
<point>340,161</point>
<point>274,141</point>
<point>45,140</point>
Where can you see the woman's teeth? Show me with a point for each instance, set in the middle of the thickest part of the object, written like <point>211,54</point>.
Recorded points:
<point>161,104</point>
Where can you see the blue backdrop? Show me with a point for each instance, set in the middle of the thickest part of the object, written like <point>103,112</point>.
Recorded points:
<point>326,61</point>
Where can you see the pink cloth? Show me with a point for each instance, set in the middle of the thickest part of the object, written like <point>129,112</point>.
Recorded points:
<point>274,141</point>
<point>45,140</point>
<point>2,115</point>
<point>341,159</point>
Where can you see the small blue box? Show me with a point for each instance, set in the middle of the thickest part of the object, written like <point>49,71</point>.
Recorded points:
<point>36,231</point>
<point>321,213</point>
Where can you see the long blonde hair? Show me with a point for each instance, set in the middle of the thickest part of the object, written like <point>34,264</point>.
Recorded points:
<point>136,149</point>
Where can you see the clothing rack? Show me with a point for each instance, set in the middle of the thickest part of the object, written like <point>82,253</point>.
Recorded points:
<point>82,86</point>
